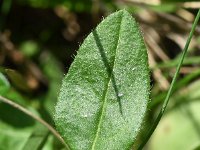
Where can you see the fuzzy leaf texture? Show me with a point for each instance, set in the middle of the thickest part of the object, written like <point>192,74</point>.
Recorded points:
<point>104,96</point>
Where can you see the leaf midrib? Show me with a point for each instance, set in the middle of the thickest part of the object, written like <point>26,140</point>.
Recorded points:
<point>106,89</point>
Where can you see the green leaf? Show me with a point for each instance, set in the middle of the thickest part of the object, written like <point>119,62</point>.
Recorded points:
<point>54,73</point>
<point>37,139</point>
<point>12,137</point>
<point>17,80</point>
<point>15,126</point>
<point>29,48</point>
<point>104,96</point>
<point>4,84</point>
<point>180,127</point>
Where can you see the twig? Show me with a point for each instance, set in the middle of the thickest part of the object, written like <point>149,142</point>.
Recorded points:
<point>191,5</point>
<point>154,46</point>
<point>51,129</point>
<point>185,14</point>
<point>142,2</point>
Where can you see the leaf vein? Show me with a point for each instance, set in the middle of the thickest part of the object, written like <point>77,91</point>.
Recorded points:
<point>106,89</point>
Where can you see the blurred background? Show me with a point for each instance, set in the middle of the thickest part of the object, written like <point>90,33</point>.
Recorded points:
<point>39,39</point>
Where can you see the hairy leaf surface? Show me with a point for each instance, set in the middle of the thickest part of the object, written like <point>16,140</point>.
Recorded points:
<point>104,96</point>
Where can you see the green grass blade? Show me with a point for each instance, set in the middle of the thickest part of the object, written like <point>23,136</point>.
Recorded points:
<point>172,83</point>
<point>179,84</point>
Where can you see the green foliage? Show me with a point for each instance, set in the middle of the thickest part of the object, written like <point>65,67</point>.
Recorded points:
<point>104,96</point>
<point>15,126</point>
<point>180,122</point>
<point>37,139</point>
<point>4,84</point>
<point>53,71</point>
<point>109,108</point>
<point>179,0</point>
<point>77,5</point>
<point>173,83</point>
<point>11,137</point>
<point>29,48</point>
<point>41,3</point>
<point>17,80</point>
<point>74,5</point>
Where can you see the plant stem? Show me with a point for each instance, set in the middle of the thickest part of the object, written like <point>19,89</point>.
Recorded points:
<point>172,84</point>
<point>51,129</point>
